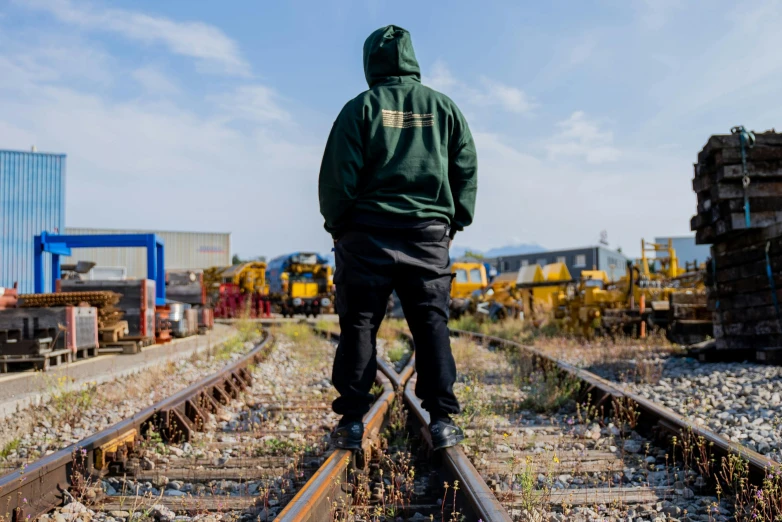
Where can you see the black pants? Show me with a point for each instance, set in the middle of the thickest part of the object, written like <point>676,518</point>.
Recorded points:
<point>370,265</point>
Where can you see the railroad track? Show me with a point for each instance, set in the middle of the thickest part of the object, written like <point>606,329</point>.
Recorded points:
<point>241,472</point>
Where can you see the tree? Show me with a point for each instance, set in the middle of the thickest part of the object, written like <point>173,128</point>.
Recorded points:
<point>235,260</point>
<point>475,255</point>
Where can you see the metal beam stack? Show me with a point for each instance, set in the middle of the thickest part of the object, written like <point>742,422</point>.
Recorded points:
<point>738,180</point>
<point>104,301</point>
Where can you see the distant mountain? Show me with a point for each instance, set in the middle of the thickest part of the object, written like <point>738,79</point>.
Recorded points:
<point>508,250</point>
<point>512,250</point>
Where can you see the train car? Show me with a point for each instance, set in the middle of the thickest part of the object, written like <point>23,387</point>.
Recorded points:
<point>300,283</point>
<point>238,291</point>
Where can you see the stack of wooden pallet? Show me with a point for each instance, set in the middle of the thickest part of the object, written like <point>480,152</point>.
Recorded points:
<point>719,183</point>
<point>739,188</point>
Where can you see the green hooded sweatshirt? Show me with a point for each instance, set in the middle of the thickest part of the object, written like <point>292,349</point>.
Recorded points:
<point>399,151</point>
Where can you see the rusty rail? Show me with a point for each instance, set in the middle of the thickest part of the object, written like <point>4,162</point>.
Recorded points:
<point>324,487</point>
<point>39,487</point>
<point>650,412</point>
<point>483,504</point>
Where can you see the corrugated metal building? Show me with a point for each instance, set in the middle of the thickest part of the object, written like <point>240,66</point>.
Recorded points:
<point>183,250</point>
<point>32,200</point>
<point>576,260</point>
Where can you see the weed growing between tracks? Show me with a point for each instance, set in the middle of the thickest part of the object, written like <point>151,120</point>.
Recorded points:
<point>77,410</point>
<point>398,483</point>
<point>616,351</point>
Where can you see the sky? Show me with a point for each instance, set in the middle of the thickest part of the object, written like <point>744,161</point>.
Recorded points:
<point>213,116</point>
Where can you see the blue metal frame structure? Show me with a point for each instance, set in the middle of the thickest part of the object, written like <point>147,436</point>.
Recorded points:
<point>61,245</point>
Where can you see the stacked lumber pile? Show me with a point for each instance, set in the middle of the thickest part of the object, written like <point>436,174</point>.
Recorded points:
<point>718,182</point>
<point>745,277</point>
<point>108,314</point>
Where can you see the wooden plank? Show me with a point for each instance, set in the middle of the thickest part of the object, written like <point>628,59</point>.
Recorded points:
<point>748,270</point>
<point>740,301</point>
<point>178,504</point>
<point>771,327</point>
<point>748,343</point>
<point>757,283</point>
<point>742,315</point>
<point>729,206</point>
<point>596,496</point>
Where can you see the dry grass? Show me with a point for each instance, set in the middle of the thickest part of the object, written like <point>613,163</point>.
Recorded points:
<point>575,349</point>
<point>69,402</point>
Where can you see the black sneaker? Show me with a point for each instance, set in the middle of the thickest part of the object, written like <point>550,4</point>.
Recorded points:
<point>348,436</point>
<point>445,434</point>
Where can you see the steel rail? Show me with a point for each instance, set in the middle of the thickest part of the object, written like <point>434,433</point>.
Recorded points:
<point>313,501</point>
<point>650,412</point>
<point>39,487</point>
<point>483,503</point>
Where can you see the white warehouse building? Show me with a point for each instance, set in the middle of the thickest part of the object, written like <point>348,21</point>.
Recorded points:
<point>183,251</point>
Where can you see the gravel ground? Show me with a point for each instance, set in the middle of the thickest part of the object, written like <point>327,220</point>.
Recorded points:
<point>267,421</point>
<point>77,412</point>
<point>532,459</point>
<point>395,352</point>
<point>740,401</point>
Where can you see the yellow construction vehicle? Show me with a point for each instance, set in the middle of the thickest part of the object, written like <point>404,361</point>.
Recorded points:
<point>500,300</point>
<point>655,293</point>
<point>468,278</point>
<point>301,283</point>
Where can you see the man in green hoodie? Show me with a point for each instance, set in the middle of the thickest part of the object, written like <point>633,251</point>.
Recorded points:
<point>398,180</point>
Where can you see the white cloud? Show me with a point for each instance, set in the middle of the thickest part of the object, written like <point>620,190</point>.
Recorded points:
<point>155,81</point>
<point>509,98</point>
<point>214,51</point>
<point>441,78</point>
<point>486,93</point>
<point>582,138</point>
<point>252,102</point>
<point>129,155</point>
<point>526,199</point>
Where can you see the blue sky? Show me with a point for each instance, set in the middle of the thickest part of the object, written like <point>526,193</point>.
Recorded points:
<point>212,116</point>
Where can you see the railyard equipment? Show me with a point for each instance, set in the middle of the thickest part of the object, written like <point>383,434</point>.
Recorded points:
<point>655,293</point>
<point>74,327</point>
<point>301,283</point>
<point>500,300</point>
<point>189,287</point>
<point>104,301</point>
<point>61,245</point>
<point>186,286</point>
<point>137,301</point>
<point>468,278</point>
<point>238,290</point>
<point>42,337</point>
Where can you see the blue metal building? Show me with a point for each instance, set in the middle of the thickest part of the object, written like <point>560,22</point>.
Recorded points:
<point>32,200</point>
<point>576,259</point>
<point>687,251</point>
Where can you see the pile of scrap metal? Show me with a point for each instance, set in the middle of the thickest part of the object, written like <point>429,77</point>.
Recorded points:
<point>238,291</point>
